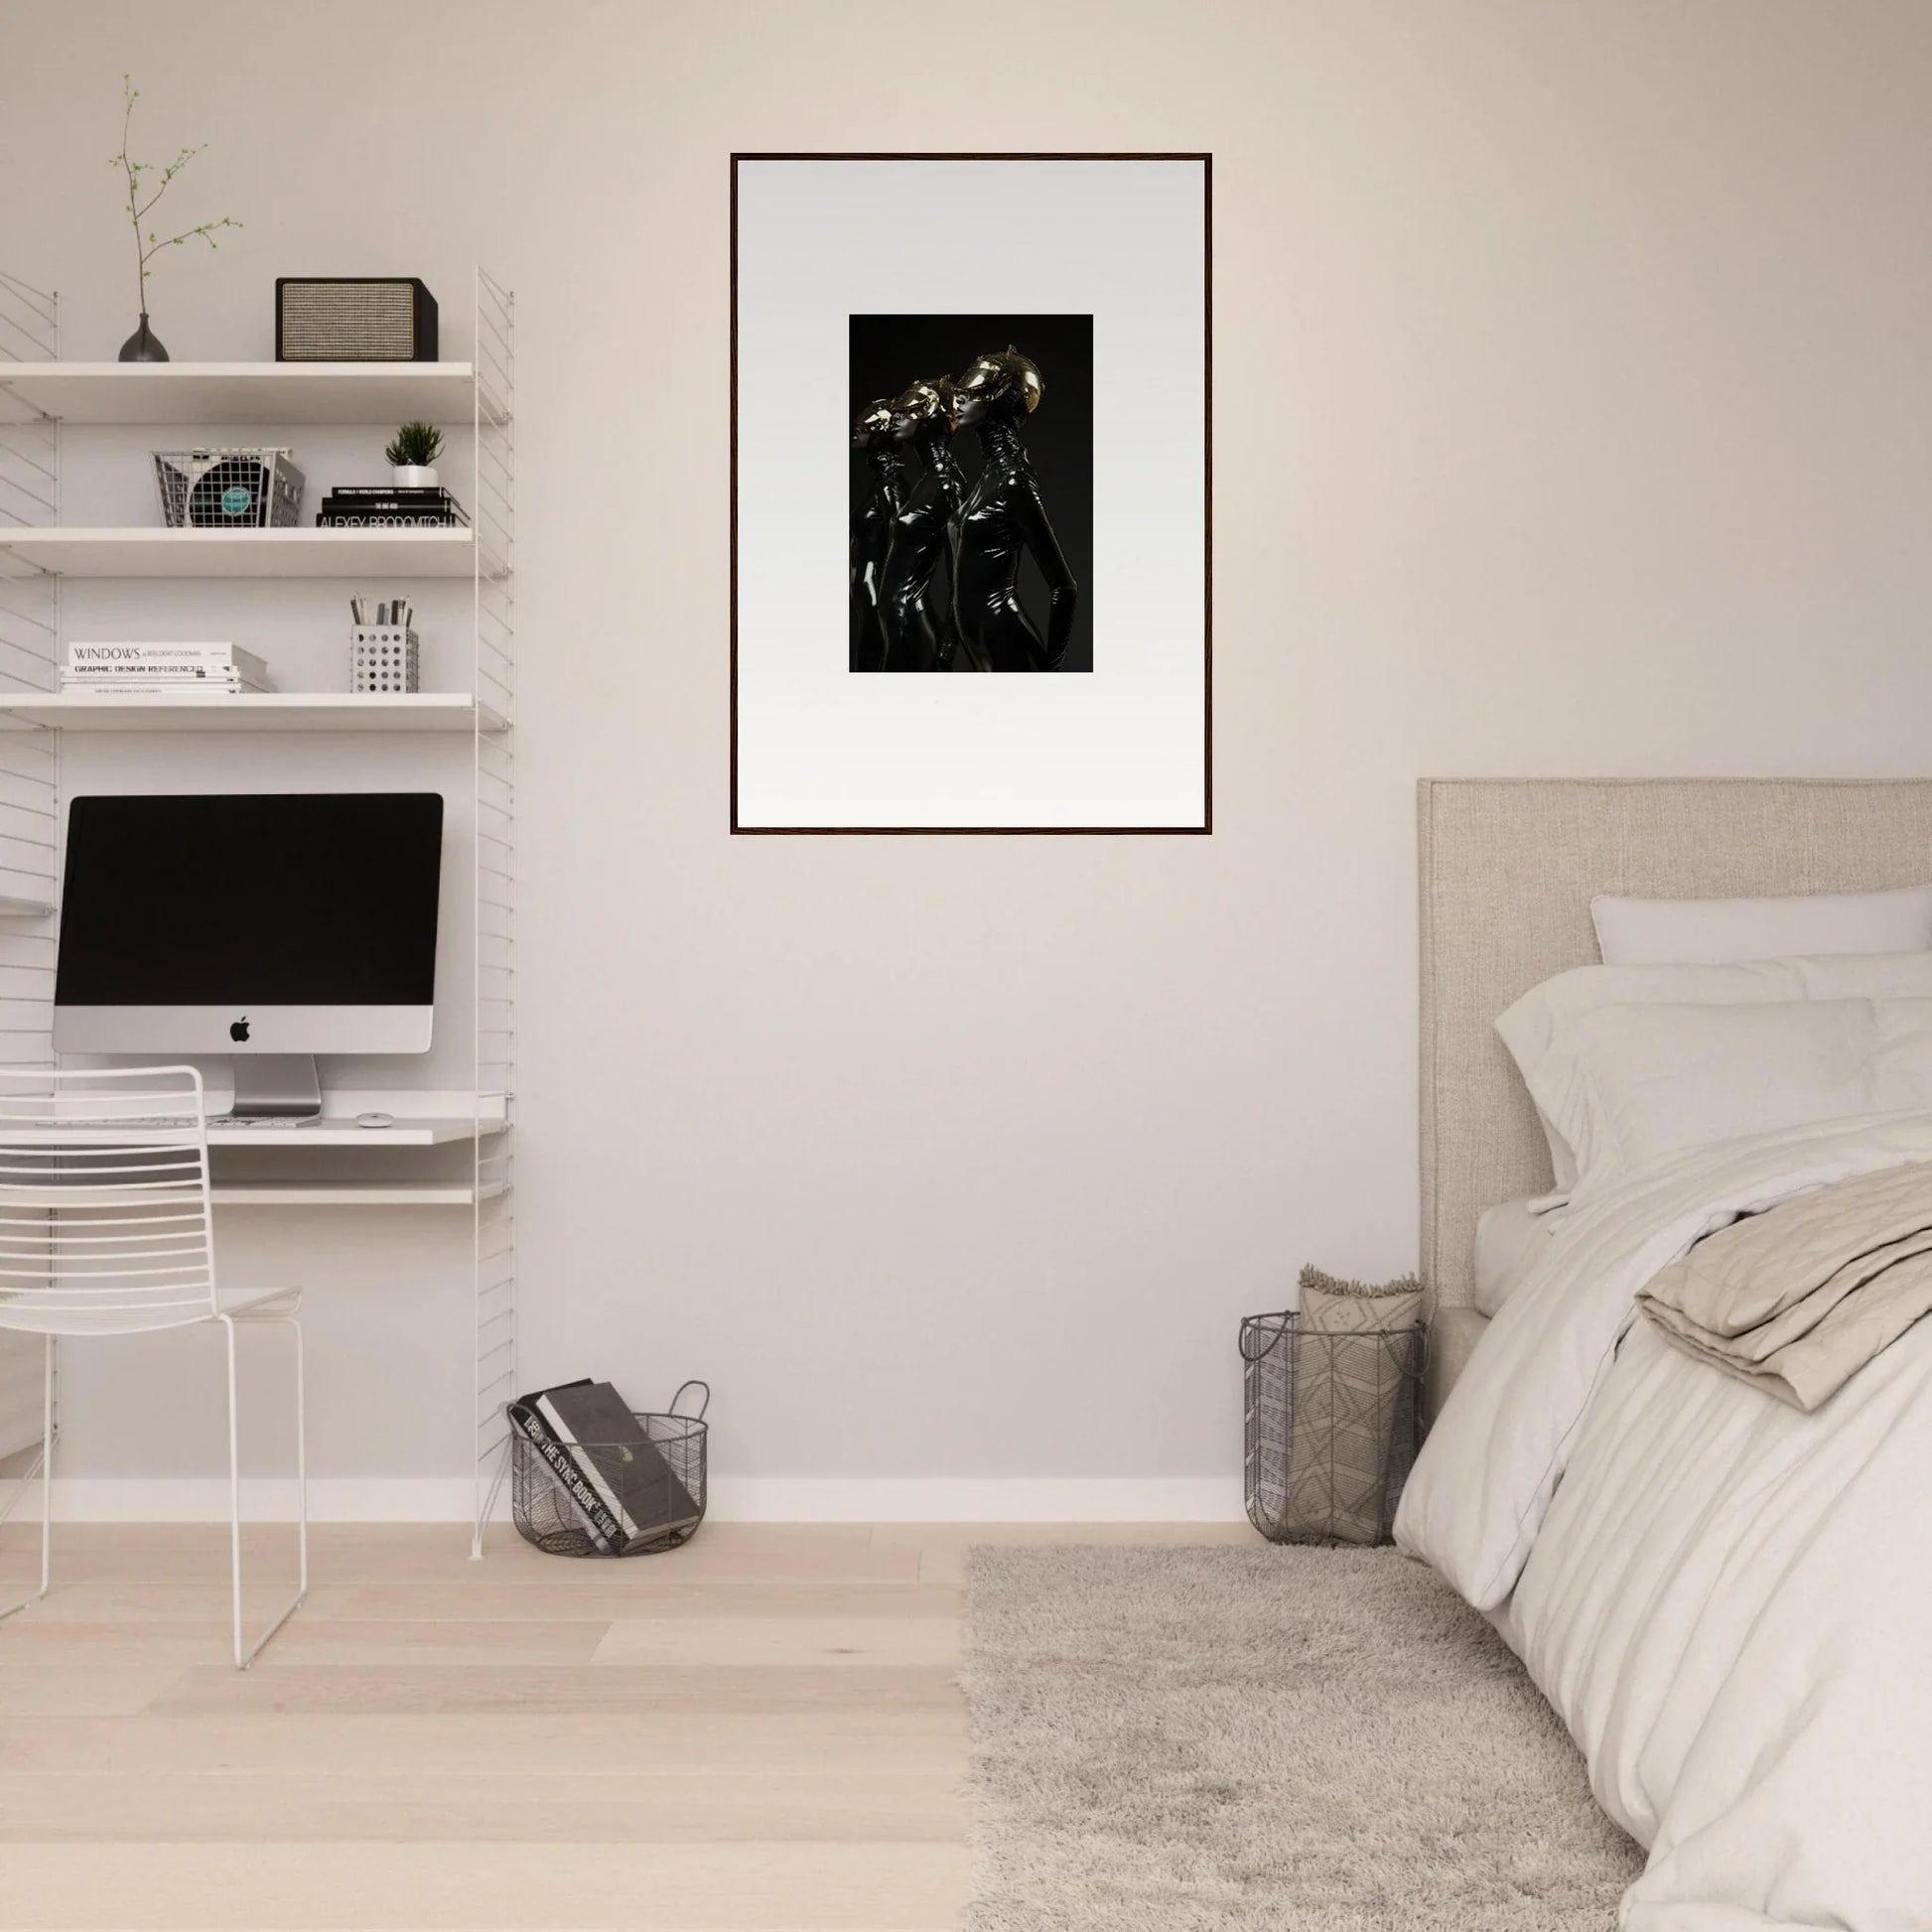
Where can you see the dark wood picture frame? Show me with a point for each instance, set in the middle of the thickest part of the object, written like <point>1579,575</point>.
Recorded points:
<point>1207,826</point>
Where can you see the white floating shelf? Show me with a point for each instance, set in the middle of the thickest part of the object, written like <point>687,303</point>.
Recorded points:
<point>385,393</point>
<point>267,711</point>
<point>24,909</point>
<point>332,1130</point>
<point>346,1133</point>
<point>310,552</point>
<point>348,1193</point>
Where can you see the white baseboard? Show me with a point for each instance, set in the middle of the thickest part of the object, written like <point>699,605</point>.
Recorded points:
<point>734,1499</point>
<point>205,1499</point>
<point>977,1499</point>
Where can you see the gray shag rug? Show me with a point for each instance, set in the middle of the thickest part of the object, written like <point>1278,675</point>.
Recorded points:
<point>1214,1739</point>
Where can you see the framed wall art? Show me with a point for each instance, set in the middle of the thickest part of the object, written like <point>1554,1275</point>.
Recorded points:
<point>983,383</point>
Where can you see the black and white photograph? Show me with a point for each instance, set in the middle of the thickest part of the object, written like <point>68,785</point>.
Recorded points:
<point>986,379</point>
<point>972,493</point>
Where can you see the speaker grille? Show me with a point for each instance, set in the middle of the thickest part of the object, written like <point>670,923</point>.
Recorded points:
<point>349,322</point>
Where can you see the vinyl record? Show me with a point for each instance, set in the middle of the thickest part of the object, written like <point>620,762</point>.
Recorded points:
<point>232,492</point>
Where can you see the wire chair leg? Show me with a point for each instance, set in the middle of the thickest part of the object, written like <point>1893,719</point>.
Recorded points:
<point>244,1652</point>
<point>43,1463</point>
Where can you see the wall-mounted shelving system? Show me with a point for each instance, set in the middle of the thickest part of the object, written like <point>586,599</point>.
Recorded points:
<point>40,395</point>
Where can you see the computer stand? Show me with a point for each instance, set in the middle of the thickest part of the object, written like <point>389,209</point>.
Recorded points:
<point>276,1086</point>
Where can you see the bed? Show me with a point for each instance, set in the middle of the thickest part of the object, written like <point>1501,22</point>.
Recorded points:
<point>1725,1599</point>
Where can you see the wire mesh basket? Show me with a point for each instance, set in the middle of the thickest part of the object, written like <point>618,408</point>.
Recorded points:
<point>659,1503</point>
<point>1333,1423</point>
<point>228,489</point>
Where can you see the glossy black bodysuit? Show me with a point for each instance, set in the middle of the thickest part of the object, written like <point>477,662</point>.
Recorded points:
<point>914,624</point>
<point>1003,518</point>
<point>872,539</point>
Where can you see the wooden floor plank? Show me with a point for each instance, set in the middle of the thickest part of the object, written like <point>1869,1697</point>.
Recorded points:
<point>842,1643</point>
<point>620,1599</point>
<point>183,1643</point>
<point>558,1687</point>
<point>468,1888</point>
<point>79,1690</point>
<point>191,1553</point>
<point>665,1807</point>
<point>834,1743</point>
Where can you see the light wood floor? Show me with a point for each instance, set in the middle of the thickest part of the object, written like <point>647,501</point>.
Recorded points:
<point>758,1732</point>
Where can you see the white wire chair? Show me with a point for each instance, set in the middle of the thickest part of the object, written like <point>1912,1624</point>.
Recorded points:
<point>107,1228</point>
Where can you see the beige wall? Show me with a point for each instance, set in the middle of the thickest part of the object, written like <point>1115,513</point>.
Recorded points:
<point>1574,380</point>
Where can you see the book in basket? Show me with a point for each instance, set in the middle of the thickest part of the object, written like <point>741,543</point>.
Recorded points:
<point>617,1477</point>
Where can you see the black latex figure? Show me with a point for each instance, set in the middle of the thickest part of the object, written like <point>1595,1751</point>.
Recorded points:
<point>1003,518</point>
<point>914,612</point>
<point>871,525</point>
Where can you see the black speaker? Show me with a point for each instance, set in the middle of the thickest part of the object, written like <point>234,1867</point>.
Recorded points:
<point>353,319</point>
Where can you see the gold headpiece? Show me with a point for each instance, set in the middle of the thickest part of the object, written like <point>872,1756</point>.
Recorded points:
<point>1004,372</point>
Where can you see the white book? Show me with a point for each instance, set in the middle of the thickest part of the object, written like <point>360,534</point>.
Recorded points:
<point>132,679</point>
<point>102,658</point>
<point>96,687</point>
<point>148,673</point>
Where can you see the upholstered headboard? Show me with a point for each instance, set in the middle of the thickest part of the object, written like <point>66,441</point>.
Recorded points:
<point>1507,869</point>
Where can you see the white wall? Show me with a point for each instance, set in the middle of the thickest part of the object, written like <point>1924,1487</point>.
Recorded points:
<point>1572,387</point>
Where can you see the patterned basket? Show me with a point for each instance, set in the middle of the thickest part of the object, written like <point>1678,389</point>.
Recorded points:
<point>1333,1423</point>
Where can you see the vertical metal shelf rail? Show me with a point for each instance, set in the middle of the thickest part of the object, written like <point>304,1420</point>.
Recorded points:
<point>30,786</point>
<point>30,801</point>
<point>492,517</point>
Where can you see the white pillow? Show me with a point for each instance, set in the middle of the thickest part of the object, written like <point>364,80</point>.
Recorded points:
<point>1511,1238</point>
<point>1629,1084</point>
<point>1533,1027</point>
<point>1718,932</point>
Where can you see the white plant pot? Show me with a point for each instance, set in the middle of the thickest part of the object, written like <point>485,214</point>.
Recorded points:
<point>414,476</point>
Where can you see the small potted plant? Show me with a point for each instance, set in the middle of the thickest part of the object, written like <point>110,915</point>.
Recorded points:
<point>413,455</point>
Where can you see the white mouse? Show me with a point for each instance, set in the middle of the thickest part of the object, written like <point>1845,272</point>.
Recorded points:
<point>376,1120</point>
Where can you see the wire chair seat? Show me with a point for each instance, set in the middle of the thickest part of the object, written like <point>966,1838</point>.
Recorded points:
<point>107,1228</point>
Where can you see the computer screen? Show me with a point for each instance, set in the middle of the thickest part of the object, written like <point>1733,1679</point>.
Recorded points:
<point>286,922</point>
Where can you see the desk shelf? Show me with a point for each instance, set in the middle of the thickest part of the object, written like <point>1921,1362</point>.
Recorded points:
<point>352,1193</point>
<point>345,1132</point>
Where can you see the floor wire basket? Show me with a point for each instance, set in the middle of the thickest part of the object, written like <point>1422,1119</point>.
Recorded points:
<point>1333,1426</point>
<point>657,1487</point>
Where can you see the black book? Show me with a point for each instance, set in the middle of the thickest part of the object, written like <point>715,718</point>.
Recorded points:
<point>595,1428</point>
<point>367,518</point>
<point>447,506</point>
<point>410,492</point>
<point>527,1420</point>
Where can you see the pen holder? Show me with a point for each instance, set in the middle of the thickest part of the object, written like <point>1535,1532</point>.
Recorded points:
<point>383,657</point>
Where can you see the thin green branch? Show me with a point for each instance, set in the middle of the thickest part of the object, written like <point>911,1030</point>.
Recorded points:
<point>148,247</point>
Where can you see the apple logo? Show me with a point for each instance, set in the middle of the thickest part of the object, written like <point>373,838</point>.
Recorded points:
<point>239,1030</point>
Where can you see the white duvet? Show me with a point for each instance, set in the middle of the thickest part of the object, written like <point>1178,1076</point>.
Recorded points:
<point>1729,1601</point>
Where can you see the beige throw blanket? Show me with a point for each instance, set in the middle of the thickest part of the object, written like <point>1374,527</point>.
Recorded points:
<point>1798,1299</point>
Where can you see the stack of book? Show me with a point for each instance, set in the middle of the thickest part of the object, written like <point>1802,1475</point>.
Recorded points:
<point>385,506</point>
<point>117,669</point>
<point>617,1481</point>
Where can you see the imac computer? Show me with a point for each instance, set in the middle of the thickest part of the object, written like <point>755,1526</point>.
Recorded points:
<point>269,926</point>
